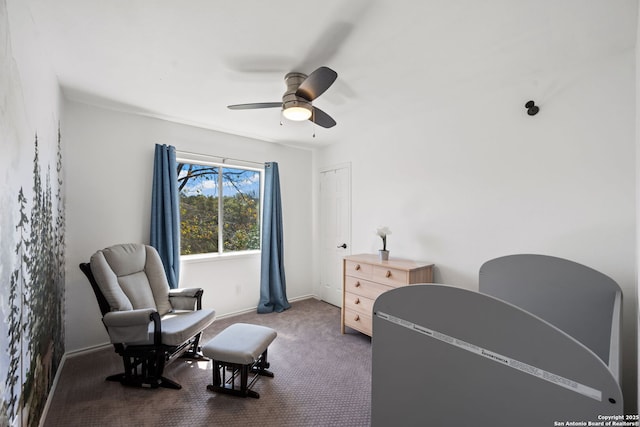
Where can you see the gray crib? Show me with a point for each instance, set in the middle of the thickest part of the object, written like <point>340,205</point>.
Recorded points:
<point>538,345</point>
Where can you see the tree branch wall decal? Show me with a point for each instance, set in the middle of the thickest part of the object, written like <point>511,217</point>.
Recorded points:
<point>35,341</point>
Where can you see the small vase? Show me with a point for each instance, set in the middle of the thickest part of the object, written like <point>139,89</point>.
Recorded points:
<point>384,255</point>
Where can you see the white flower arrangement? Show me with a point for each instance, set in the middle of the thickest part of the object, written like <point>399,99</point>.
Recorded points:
<point>383,232</point>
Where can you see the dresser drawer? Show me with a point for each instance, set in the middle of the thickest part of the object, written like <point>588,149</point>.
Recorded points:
<point>359,321</point>
<point>357,269</point>
<point>358,303</point>
<point>363,287</point>
<point>390,276</point>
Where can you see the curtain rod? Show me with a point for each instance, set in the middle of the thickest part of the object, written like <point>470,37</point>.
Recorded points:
<point>223,158</point>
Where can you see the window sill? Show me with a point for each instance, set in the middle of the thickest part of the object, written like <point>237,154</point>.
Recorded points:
<point>191,259</point>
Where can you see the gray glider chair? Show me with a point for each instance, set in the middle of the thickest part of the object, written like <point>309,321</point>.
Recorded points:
<point>149,324</point>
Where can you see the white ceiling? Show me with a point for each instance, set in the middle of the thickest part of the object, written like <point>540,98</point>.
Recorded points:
<point>187,60</point>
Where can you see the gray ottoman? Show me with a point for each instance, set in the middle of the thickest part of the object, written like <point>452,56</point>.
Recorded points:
<point>241,348</point>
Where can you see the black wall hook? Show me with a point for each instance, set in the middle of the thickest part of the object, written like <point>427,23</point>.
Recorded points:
<point>532,108</point>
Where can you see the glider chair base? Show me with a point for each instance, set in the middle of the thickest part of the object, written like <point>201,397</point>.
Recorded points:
<point>144,370</point>
<point>141,382</point>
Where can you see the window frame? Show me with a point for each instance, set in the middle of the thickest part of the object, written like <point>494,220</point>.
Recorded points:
<point>220,182</point>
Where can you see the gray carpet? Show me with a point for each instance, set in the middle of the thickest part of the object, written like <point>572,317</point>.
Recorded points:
<point>322,378</point>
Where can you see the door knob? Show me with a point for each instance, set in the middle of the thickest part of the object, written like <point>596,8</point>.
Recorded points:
<point>343,246</point>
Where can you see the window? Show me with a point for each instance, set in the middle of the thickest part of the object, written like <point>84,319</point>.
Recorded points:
<point>219,208</point>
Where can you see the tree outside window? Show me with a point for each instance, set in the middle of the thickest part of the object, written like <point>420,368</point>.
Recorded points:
<point>219,208</point>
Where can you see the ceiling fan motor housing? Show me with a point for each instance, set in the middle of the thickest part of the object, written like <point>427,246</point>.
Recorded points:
<point>290,99</point>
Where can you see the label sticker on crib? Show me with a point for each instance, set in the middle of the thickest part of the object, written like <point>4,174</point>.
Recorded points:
<point>496,357</point>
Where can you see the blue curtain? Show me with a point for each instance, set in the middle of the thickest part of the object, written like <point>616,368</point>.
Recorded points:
<point>165,213</point>
<point>273,295</point>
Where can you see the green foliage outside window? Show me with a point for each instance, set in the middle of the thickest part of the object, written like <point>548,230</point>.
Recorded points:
<point>198,224</point>
<point>241,223</point>
<point>203,227</point>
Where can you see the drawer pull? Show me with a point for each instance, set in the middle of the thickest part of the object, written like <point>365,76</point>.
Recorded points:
<point>356,318</point>
<point>357,284</point>
<point>357,301</point>
<point>388,273</point>
<point>357,267</point>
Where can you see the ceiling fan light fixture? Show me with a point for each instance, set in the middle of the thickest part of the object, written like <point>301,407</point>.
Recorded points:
<point>297,113</point>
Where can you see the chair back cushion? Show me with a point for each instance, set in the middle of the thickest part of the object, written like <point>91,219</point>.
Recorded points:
<point>131,276</point>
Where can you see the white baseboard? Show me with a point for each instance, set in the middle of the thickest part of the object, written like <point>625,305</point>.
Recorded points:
<point>86,350</point>
<point>52,391</point>
<point>254,308</point>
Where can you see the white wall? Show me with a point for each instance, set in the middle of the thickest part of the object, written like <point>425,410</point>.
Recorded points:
<point>109,173</point>
<point>30,98</point>
<point>470,181</point>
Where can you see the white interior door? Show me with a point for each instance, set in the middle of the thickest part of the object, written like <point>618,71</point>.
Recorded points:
<point>335,229</point>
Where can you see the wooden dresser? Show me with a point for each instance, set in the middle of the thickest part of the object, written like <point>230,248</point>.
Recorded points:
<point>365,277</point>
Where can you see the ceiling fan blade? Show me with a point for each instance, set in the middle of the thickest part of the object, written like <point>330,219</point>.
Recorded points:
<point>317,82</point>
<point>255,105</point>
<point>321,118</point>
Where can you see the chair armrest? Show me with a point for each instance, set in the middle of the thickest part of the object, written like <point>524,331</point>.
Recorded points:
<point>128,318</point>
<point>186,298</point>
<point>185,292</point>
<point>131,326</point>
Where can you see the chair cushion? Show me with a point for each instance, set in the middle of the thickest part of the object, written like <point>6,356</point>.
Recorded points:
<point>177,327</point>
<point>180,325</point>
<point>137,288</point>
<point>131,276</point>
<point>108,283</point>
<point>157,279</point>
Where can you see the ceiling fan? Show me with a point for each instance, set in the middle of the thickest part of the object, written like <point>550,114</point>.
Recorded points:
<point>297,100</point>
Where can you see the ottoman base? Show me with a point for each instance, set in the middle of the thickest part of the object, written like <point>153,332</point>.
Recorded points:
<point>236,352</point>
<point>226,376</point>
